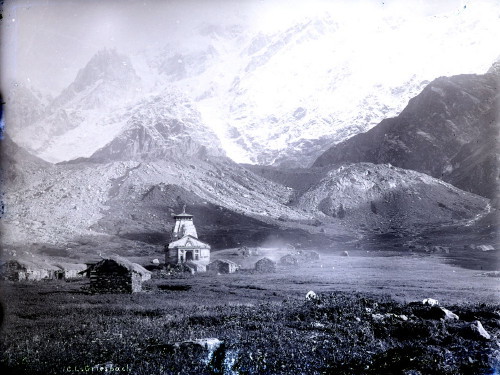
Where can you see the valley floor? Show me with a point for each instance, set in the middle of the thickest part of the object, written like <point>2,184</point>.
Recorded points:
<point>364,321</point>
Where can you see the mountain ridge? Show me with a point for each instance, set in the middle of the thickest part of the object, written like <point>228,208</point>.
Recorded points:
<point>433,133</point>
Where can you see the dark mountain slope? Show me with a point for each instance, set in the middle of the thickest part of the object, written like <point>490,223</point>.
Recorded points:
<point>16,162</point>
<point>444,131</point>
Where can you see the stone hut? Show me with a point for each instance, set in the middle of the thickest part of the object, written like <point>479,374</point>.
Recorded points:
<point>195,267</point>
<point>265,265</point>
<point>68,271</point>
<point>222,266</point>
<point>185,245</point>
<point>249,251</point>
<point>289,260</point>
<point>117,275</point>
<point>31,270</point>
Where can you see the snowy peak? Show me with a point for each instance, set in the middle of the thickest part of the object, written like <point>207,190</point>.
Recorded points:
<point>163,125</point>
<point>107,65</point>
<point>107,75</point>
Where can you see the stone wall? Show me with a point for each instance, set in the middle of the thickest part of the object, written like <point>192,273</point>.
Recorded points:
<point>115,282</point>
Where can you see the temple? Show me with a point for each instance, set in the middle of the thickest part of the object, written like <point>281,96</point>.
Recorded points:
<point>185,245</point>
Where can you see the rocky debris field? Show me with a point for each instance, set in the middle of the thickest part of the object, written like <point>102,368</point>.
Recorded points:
<point>177,331</point>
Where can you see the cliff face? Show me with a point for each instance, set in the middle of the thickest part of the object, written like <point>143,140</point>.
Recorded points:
<point>448,131</point>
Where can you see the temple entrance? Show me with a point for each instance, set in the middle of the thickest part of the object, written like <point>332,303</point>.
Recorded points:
<point>189,255</point>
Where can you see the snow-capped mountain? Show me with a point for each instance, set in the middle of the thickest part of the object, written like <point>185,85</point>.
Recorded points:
<point>108,77</point>
<point>272,96</point>
<point>163,125</point>
<point>106,83</point>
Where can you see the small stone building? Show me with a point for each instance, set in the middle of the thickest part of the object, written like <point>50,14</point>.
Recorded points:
<point>289,260</point>
<point>117,275</point>
<point>249,251</point>
<point>68,271</point>
<point>222,266</point>
<point>265,265</point>
<point>195,267</point>
<point>185,245</point>
<point>31,270</point>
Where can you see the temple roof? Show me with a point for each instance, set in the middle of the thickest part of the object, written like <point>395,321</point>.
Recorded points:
<point>188,241</point>
<point>183,214</point>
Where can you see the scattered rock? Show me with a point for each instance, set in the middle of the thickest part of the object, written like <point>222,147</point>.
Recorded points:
<point>311,296</point>
<point>430,302</point>
<point>318,325</point>
<point>436,312</point>
<point>378,317</point>
<point>478,329</point>
<point>204,347</point>
<point>448,315</point>
<point>485,248</point>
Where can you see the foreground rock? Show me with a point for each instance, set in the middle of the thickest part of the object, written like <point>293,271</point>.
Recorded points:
<point>478,330</point>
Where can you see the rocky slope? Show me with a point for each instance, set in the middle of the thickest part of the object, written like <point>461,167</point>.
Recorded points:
<point>448,131</point>
<point>160,126</point>
<point>389,198</point>
<point>122,202</point>
<point>17,163</point>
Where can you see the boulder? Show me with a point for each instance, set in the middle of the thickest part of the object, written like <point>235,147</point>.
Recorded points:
<point>311,296</point>
<point>345,253</point>
<point>485,248</point>
<point>435,312</point>
<point>204,349</point>
<point>479,331</point>
<point>448,315</point>
<point>430,302</point>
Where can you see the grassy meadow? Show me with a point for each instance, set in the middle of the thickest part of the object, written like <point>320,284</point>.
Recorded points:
<point>368,319</point>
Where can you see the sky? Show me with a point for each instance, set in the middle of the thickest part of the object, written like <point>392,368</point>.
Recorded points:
<point>45,42</point>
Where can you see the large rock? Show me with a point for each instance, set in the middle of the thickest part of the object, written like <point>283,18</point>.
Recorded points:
<point>430,302</point>
<point>478,331</point>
